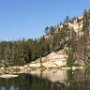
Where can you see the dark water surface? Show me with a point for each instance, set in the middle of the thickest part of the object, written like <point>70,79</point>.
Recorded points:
<point>52,80</point>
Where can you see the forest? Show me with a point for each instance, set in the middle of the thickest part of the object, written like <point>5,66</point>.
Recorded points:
<point>24,51</point>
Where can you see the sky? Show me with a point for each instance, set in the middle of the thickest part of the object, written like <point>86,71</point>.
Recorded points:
<point>28,18</point>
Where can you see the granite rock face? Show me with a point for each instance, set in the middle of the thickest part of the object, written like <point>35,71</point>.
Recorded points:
<point>54,59</point>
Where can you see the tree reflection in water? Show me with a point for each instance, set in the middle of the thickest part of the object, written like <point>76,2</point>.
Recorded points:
<point>29,82</point>
<point>77,80</point>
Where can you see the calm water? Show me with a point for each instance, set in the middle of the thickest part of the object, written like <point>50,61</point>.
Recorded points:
<point>50,80</point>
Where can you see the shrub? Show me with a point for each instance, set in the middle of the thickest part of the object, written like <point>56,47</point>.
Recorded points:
<point>70,61</point>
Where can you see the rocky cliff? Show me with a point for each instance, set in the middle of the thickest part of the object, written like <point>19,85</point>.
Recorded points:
<point>78,47</point>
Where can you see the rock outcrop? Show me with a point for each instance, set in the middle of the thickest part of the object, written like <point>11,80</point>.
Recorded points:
<point>54,59</point>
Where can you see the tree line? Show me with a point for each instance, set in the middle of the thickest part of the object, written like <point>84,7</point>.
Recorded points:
<point>23,51</point>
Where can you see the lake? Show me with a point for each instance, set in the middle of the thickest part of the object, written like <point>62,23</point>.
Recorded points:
<point>48,80</point>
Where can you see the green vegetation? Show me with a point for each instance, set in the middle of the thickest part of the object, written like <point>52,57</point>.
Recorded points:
<point>21,52</point>
<point>70,61</point>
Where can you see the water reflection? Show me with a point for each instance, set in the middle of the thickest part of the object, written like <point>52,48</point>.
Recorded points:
<point>52,75</point>
<point>8,84</point>
<point>49,80</point>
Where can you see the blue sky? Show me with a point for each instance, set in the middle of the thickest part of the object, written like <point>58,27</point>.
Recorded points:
<point>28,18</point>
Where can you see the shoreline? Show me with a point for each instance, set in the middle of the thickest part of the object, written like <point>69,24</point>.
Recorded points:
<point>22,69</point>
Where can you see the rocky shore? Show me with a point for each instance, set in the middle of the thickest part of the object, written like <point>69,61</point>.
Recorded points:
<point>55,60</point>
